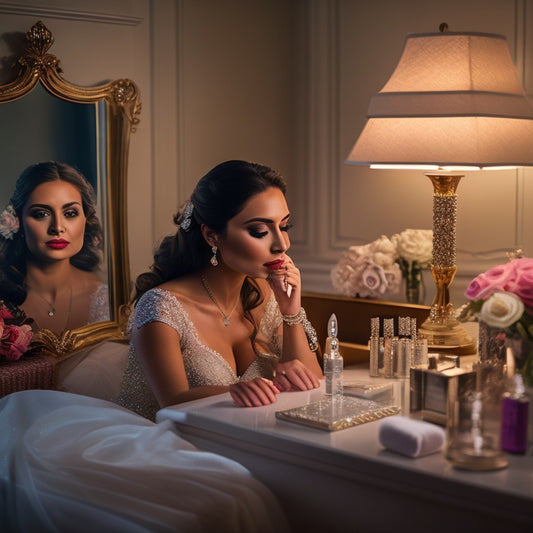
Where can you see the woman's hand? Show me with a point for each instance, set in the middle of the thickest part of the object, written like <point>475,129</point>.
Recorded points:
<point>286,284</point>
<point>294,376</point>
<point>254,393</point>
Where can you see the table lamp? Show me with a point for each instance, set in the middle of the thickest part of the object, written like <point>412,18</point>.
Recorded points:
<point>453,103</point>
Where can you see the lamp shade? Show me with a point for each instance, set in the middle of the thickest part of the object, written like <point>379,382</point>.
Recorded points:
<point>454,100</point>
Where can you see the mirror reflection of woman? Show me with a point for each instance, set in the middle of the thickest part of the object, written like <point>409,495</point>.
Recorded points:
<point>50,239</point>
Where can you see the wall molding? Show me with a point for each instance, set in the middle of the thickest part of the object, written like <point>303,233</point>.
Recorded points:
<point>72,13</point>
<point>321,250</point>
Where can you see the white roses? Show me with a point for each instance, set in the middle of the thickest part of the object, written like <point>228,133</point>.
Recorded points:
<point>414,245</point>
<point>9,222</point>
<point>501,309</point>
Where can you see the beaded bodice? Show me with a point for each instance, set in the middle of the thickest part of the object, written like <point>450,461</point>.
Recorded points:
<point>203,365</point>
<point>99,306</point>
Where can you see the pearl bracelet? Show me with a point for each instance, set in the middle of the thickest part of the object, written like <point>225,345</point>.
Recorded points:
<point>301,318</point>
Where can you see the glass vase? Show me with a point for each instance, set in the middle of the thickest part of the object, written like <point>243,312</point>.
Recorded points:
<point>495,344</point>
<point>522,352</point>
<point>474,422</point>
<point>491,343</point>
<point>414,284</point>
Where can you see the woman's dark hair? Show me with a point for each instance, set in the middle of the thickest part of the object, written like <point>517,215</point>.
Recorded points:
<point>14,252</point>
<point>219,196</point>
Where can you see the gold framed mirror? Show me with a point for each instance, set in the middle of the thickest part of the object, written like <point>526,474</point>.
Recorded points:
<point>116,105</point>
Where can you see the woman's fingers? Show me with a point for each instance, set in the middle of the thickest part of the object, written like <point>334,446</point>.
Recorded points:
<point>254,393</point>
<point>286,278</point>
<point>293,375</point>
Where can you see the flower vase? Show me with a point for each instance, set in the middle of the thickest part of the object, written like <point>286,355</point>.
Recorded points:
<point>522,351</point>
<point>491,344</point>
<point>473,426</point>
<point>496,344</point>
<point>414,285</point>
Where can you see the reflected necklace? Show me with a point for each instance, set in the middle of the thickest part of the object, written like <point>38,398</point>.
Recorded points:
<point>212,298</point>
<point>51,307</point>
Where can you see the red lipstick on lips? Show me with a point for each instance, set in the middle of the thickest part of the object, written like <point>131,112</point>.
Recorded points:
<point>57,244</point>
<point>275,265</point>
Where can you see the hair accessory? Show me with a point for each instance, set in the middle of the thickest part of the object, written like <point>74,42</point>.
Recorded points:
<point>9,222</point>
<point>186,218</point>
<point>214,260</point>
<point>301,318</point>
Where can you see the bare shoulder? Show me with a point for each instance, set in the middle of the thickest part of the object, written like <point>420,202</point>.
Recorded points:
<point>186,288</point>
<point>85,282</point>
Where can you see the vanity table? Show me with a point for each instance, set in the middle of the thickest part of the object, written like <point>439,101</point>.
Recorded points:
<point>345,481</point>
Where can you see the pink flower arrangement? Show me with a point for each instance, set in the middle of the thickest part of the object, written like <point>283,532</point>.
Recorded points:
<point>516,277</point>
<point>14,338</point>
<point>368,271</point>
<point>502,297</point>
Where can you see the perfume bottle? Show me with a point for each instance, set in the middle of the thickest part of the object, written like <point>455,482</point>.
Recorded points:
<point>404,348</point>
<point>375,345</point>
<point>515,408</point>
<point>390,345</point>
<point>333,361</point>
<point>420,353</point>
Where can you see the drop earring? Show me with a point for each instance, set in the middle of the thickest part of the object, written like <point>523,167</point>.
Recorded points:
<point>214,260</point>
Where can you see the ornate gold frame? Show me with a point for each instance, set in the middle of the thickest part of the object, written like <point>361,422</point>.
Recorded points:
<point>123,106</point>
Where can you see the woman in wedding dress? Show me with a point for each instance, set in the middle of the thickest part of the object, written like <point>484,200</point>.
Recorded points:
<point>220,309</point>
<point>50,249</point>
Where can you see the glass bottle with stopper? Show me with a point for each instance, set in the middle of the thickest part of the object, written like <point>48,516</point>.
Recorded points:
<point>333,361</point>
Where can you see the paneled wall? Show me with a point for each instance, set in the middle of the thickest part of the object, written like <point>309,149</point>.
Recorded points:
<point>285,82</point>
<point>361,43</point>
<point>98,41</point>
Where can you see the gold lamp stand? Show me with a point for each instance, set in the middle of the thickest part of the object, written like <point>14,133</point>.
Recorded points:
<point>442,330</point>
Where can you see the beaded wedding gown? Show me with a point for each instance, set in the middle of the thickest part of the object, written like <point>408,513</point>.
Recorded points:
<point>203,365</point>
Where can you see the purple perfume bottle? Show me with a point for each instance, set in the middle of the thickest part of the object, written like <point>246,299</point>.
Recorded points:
<point>515,409</point>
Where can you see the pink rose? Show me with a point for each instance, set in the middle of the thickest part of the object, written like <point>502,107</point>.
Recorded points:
<point>516,277</point>
<point>523,283</point>
<point>15,341</point>
<point>494,279</point>
<point>5,312</point>
<point>374,281</point>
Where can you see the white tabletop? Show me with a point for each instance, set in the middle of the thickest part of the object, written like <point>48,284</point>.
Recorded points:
<point>354,454</point>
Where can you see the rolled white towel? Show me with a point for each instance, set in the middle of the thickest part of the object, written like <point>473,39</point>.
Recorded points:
<point>414,438</point>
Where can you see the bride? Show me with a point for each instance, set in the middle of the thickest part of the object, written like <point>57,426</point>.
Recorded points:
<point>220,309</point>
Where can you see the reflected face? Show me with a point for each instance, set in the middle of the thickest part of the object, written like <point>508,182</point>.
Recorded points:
<point>53,221</point>
<point>256,239</point>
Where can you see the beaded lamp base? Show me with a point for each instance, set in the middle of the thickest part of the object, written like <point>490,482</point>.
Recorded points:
<point>442,330</point>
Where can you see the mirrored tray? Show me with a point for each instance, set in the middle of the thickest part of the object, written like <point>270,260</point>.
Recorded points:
<point>338,413</point>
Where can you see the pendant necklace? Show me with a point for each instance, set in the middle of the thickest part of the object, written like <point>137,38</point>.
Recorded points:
<point>51,307</point>
<point>212,298</point>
